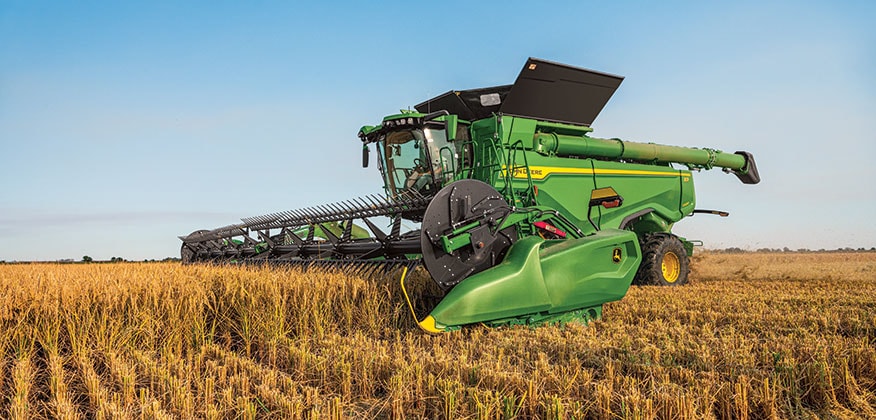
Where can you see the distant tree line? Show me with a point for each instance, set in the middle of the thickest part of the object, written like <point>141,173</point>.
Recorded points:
<point>737,250</point>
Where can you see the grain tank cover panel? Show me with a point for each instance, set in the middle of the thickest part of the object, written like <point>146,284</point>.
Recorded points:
<point>471,105</point>
<point>557,92</point>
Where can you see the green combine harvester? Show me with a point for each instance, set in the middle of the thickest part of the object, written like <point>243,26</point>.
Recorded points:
<point>524,217</point>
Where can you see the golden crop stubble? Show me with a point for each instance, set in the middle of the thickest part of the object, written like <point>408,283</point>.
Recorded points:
<point>753,335</point>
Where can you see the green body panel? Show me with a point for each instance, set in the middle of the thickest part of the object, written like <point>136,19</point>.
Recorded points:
<point>539,278</point>
<point>644,187</point>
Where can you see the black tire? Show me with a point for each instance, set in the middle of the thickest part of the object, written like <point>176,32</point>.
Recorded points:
<point>664,261</point>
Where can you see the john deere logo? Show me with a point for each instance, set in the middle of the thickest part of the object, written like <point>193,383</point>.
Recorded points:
<point>616,255</point>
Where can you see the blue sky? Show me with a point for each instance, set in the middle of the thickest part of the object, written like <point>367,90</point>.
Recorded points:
<point>124,125</point>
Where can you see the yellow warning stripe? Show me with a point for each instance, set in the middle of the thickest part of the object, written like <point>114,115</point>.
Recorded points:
<point>541,172</point>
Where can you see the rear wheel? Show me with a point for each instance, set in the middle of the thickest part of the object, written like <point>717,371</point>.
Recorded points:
<point>664,261</point>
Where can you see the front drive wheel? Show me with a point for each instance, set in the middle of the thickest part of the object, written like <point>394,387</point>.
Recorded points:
<point>664,261</point>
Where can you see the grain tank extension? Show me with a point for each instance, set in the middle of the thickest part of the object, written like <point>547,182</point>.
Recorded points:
<point>524,217</point>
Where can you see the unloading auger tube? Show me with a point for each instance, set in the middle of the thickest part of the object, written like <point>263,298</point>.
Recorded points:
<point>741,163</point>
<point>524,217</point>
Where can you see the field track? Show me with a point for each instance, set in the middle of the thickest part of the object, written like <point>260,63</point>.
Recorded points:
<point>788,335</point>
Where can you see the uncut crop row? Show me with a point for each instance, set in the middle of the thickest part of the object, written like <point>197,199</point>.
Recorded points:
<point>752,336</point>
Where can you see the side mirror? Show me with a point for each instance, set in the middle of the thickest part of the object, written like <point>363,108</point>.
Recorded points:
<point>606,197</point>
<point>365,153</point>
<point>451,121</point>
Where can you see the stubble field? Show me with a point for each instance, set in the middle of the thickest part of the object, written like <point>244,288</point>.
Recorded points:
<point>753,336</point>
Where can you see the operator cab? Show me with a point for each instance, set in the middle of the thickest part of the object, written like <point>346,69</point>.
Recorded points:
<point>415,153</point>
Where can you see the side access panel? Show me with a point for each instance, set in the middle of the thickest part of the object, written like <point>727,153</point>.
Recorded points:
<point>590,271</point>
<point>654,192</point>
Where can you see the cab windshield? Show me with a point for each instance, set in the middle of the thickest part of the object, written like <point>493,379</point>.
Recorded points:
<point>416,159</point>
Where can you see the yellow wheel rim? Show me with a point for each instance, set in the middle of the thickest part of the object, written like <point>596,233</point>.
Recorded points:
<point>671,267</point>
